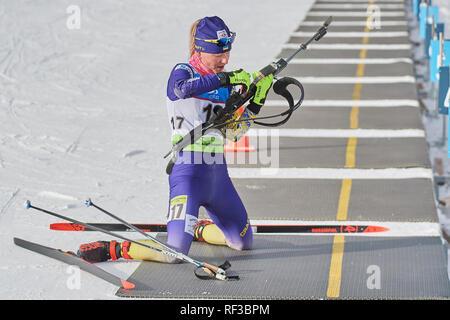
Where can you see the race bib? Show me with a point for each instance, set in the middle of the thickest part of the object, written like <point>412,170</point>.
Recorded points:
<point>177,209</point>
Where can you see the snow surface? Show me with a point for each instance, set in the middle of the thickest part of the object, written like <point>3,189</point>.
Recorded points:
<point>83,115</point>
<point>443,14</point>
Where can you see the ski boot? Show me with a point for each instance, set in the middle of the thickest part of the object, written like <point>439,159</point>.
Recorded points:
<point>198,229</point>
<point>100,251</point>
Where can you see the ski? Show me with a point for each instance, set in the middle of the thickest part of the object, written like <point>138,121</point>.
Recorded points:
<point>319,229</point>
<point>71,259</point>
<point>256,228</point>
<point>67,226</point>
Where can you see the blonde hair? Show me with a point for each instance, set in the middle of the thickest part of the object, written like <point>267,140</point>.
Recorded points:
<point>192,38</point>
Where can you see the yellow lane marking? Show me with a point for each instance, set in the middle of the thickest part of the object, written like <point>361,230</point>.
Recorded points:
<point>334,280</point>
<point>337,255</point>
<point>344,199</point>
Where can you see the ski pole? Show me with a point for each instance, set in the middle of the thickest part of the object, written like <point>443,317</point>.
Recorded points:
<point>208,268</point>
<point>89,203</point>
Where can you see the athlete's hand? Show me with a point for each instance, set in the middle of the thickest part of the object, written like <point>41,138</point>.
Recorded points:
<point>262,88</point>
<point>235,78</point>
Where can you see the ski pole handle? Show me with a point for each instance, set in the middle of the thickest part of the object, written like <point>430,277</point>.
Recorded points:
<point>213,268</point>
<point>214,271</point>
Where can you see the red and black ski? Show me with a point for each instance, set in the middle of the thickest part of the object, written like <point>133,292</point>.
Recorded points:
<point>319,229</point>
<point>71,259</point>
<point>67,226</point>
<point>256,228</point>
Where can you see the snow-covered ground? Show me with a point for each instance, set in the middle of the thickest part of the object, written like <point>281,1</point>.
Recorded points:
<point>82,114</point>
<point>444,13</point>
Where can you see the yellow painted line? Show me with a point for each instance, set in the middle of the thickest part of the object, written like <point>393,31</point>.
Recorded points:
<point>337,254</point>
<point>334,279</point>
<point>344,199</point>
<point>354,118</point>
<point>350,154</point>
<point>358,86</point>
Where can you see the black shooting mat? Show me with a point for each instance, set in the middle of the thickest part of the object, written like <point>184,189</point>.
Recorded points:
<point>336,18</point>
<point>408,268</point>
<point>401,200</point>
<point>338,7</point>
<point>361,28</point>
<point>339,117</point>
<point>345,53</point>
<point>344,91</point>
<point>349,70</point>
<point>297,267</point>
<point>352,40</point>
<point>299,152</point>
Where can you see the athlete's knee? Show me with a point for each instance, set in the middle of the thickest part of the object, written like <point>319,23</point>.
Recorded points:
<point>241,244</point>
<point>172,260</point>
<point>240,247</point>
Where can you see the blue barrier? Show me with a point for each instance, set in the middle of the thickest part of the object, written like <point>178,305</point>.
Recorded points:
<point>444,90</point>
<point>444,96</point>
<point>435,49</point>
<point>426,12</point>
<point>416,7</point>
<point>422,19</point>
<point>428,27</point>
<point>439,66</point>
<point>438,28</point>
<point>434,58</point>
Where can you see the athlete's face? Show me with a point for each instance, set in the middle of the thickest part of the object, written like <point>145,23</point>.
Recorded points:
<point>215,62</point>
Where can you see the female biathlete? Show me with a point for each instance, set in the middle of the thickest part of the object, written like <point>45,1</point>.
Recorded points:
<point>196,90</point>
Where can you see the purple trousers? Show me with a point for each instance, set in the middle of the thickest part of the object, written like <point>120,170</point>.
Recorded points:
<point>195,182</point>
